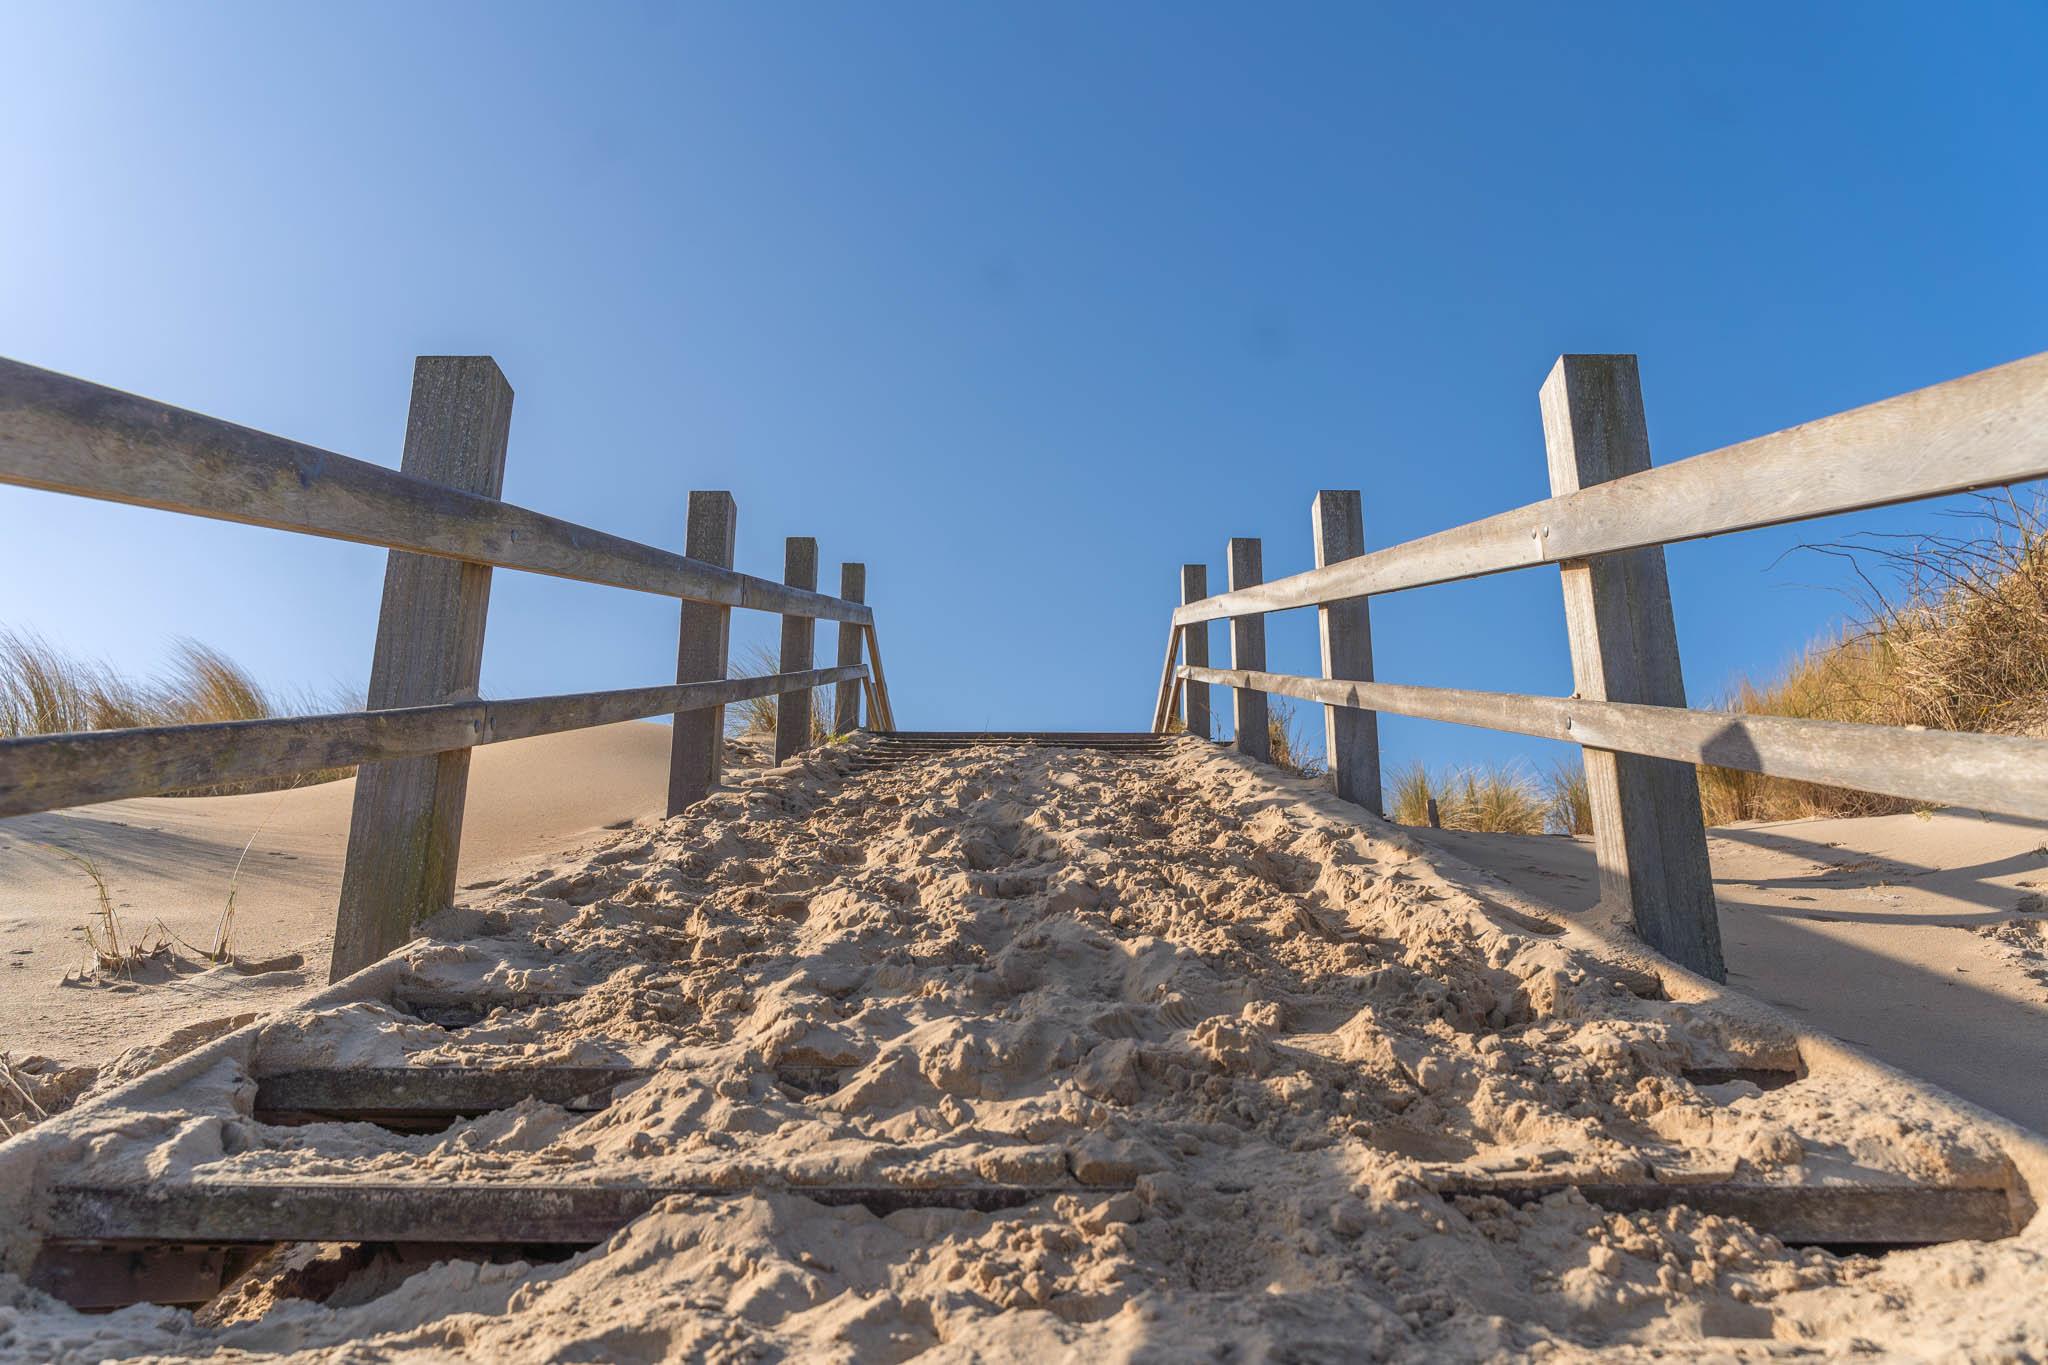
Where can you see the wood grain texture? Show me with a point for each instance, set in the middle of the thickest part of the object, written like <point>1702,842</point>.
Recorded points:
<point>1648,837</point>
<point>1248,651</point>
<point>50,772</point>
<point>1169,682</point>
<point>405,830</point>
<point>1351,737</point>
<point>69,436</point>
<point>799,643</point>
<point>1998,773</point>
<point>227,1212</point>
<point>703,653</point>
<point>853,587</point>
<point>1194,645</point>
<point>881,712</point>
<point>1979,431</point>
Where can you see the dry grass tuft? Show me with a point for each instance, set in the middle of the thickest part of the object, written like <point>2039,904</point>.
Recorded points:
<point>1951,634</point>
<point>1504,800</point>
<point>757,715</point>
<point>45,692</point>
<point>1568,805</point>
<point>1283,733</point>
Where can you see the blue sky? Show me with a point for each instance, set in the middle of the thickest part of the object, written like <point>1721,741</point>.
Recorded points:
<point>1021,305</point>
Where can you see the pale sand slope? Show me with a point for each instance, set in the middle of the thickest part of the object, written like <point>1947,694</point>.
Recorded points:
<point>1915,938</point>
<point>172,858</point>
<point>1276,1025</point>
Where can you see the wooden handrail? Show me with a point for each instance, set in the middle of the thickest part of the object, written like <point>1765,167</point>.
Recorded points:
<point>66,435</point>
<point>1980,431</point>
<point>2000,773</point>
<point>49,772</point>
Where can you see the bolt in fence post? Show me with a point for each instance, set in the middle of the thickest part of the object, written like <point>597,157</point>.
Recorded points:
<point>1351,737</point>
<point>853,586</point>
<point>799,635</point>
<point>1194,645</point>
<point>1248,651</point>
<point>1647,831</point>
<point>703,644</point>
<point>405,831</point>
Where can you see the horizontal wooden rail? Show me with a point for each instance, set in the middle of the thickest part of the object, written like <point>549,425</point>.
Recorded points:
<point>49,772</point>
<point>1979,431</point>
<point>1999,773</point>
<point>66,435</point>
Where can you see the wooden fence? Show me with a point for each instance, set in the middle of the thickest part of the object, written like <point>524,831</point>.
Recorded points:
<point>441,517</point>
<point>1605,528</point>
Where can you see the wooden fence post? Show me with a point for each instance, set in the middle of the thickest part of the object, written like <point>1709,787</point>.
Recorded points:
<point>1647,831</point>
<point>703,645</point>
<point>405,831</point>
<point>853,586</point>
<point>799,637</point>
<point>1194,644</point>
<point>1248,651</point>
<point>1351,737</point>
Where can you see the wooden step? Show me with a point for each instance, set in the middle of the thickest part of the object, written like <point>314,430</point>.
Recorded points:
<point>232,1212</point>
<point>429,1098</point>
<point>1839,1216</point>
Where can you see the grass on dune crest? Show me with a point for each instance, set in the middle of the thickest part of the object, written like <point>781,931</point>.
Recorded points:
<point>44,691</point>
<point>758,715</point>
<point>1502,800</point>
<point>1951,633</point>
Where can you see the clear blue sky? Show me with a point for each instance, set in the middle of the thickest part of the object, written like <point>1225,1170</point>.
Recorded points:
<point>1022,305</point>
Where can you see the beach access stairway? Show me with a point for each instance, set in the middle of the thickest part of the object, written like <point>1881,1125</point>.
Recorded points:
<point>180,1241</point>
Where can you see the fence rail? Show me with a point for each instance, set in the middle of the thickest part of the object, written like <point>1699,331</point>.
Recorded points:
<point>1605,527</point>
<point>446,528</point>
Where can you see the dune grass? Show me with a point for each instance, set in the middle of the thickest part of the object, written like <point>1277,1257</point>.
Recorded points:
<point>758,715</point>
<point>1950,633</point>
<point>44,691</point>
<point>1501,800</point>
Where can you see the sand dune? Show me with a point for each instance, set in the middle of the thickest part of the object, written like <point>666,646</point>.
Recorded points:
<point>1250,1035</point>
<point>1916,938</point>
<point>172,859</point>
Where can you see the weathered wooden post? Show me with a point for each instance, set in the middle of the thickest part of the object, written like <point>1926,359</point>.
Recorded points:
<point>703,644</point>
<point>1647,831</point>
<point>406,827</point>
<point>799,636</point>
<point>1248,651</point>
<point>853,586</point>
<point>1194,644</point>
<point>1351,737</point>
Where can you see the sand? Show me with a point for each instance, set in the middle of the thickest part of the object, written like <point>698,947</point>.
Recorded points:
<point>1273,1023</point>
<point>172,860</point>
<point>1917,938</point>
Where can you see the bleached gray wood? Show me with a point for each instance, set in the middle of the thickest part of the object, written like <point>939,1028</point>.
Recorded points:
<point>799,642</point>
<point>703,650</point>
<point>1194,645</point>
<point>1998,773</point>
<point>1979,431</point>
<point>405,830</point>
<point>1351,738</point>
<point>853,587</point>
<point>68,436</point>
<point>284,1209</point>
<point>316,1210</point>
<point>1169,682</point>
<point>1648,838</point>
<point>51,772</point>
<point>879,704</point>
<point>1248,651</point>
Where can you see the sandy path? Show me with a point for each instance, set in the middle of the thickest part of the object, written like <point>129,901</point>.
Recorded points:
<point>172,859</point>
<point>1179,976</point>
<point>1901,934</point>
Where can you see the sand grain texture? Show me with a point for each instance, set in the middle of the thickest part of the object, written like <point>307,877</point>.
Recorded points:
<point>1265,1028</point>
